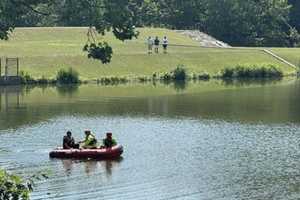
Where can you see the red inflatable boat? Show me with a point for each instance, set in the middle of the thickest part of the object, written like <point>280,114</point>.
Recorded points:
<point>102,153</point>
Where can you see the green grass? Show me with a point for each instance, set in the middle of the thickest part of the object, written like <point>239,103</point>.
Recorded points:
<point>290,54</point>
<point>43,51</point>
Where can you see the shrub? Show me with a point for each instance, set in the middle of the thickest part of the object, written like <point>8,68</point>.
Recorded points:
<point>112,80</point>
<point>43,80</point>
<point>204,76</point>
<point>26,78</point>
<point>241,72</point>
<point>179,74</point>
<point>166,77</point>
<point>69,76</point>
<point>12,187</point>
<point>154,76</point>
<point>227,73</point>
<point>144,79</point>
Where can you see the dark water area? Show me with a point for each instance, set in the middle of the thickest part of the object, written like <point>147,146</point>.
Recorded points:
<point>206,140</point>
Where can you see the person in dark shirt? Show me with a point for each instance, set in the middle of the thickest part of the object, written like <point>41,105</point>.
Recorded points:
<point>109,141</point>
<point>156,44</point>
<point>69,142</point>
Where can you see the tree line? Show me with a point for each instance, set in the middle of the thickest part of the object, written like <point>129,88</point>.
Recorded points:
<point>237,22</point>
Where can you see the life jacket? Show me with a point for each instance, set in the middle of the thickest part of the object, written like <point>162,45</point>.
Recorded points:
<point>90,140</point>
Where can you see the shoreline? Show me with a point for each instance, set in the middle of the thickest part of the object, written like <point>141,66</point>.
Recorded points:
<point>122,81</point>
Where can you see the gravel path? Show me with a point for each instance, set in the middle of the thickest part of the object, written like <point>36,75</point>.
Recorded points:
<point>204,39</point>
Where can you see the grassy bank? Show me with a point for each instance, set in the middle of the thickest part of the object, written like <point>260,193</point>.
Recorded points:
<point>44,51</point>
<point>290,54</point>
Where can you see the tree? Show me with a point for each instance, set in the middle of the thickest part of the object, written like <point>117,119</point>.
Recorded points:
<point>11,12</point>
<point>13,187</point>
<point>181,14</point>
<point>250,22</point>
<point>295,13</point>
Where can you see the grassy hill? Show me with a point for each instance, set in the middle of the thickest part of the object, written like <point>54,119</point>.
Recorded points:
<point>43,51</point>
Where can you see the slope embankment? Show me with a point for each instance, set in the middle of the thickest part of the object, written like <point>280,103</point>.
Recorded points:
<point>43,51</point>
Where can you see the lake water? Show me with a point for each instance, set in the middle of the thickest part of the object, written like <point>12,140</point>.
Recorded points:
<point>206,140</point>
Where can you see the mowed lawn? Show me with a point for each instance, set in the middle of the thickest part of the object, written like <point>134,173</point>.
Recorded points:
<point>43,51</point>
<point>290,54</point>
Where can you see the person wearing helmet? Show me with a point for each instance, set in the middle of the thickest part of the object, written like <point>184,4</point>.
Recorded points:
<point>109,141</point>
<point>90,141</point>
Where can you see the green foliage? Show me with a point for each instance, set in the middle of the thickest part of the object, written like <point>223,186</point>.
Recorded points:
<point>69,76</point>
<point>237,22</point>
<point>203,76</point>
<point>13,187</point>
<point>112,80</point>
<point>249,23</point>
<point>178,74</point>
<point>241,72</point>
<point>12,12</point>
<point>102,51</point>
<point>295,13</point>
<point>78,13</point>
<point>26,78</point>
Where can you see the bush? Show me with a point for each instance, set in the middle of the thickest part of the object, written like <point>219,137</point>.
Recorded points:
<point>242,72</point>
<point>166,77</point>
<point>26,78</point>
<point>204,76</point>
<point>144,79</point>
<point>12,187</point>
<point>179,74</point>
<point>112,80</point>
<point>43,80</point>
<point>227,73</point>
<point>69,76</point>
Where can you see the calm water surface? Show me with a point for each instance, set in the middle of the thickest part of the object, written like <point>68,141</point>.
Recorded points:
<point>207,140</point>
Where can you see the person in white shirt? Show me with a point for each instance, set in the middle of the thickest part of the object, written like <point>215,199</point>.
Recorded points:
<point>165,44</point>
<point>150,44</point>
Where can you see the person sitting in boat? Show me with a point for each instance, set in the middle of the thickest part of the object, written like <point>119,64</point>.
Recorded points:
<point>90,141</point>
<point>69,142</point>
<point>109,141</point>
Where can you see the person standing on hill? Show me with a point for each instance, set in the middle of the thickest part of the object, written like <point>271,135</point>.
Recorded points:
<point>156,44</point>
<point>150,44</point>
<point>165,44</point>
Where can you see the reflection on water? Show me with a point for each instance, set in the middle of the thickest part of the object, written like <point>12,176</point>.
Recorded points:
<point>91,165</point>
<point>250,82</point>
<point>69,90</point>
<point>275,102</point>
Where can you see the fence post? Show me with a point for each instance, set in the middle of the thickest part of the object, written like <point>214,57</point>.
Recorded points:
<point>6,67</point>
<point>17,66</point>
